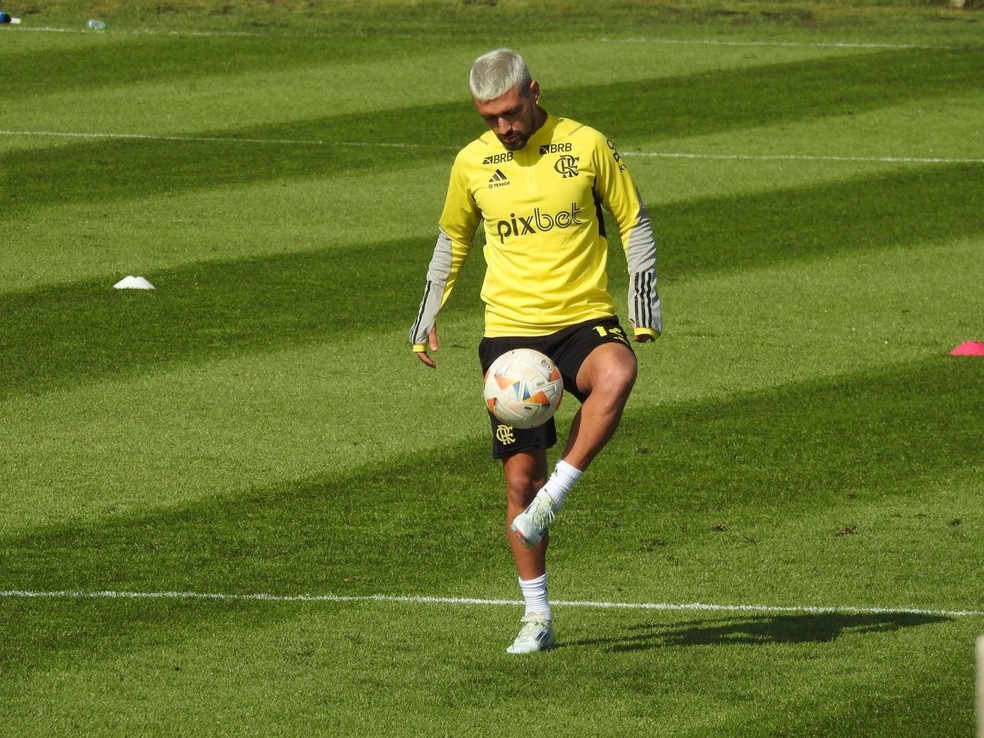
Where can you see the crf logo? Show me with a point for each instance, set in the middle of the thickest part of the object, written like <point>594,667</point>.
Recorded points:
<point>522,225</point>
<point>566,166</point>
<point>504,434</point>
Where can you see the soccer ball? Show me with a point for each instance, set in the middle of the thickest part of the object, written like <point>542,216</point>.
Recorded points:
<point>523,388</point>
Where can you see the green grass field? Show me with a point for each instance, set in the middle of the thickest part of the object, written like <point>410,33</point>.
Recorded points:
<point>237,505</point>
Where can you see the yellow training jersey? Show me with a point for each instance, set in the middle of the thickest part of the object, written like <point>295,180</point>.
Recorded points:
<point>545,247</point>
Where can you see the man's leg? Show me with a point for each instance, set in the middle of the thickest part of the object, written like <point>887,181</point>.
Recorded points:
<point>525,474</point>
<point>606,376</point>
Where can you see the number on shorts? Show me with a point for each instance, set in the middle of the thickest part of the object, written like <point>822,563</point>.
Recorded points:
<point>617,333</point>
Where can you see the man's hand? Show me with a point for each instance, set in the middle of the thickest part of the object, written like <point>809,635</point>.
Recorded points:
<point>645,335</point>
<point>432,342</point>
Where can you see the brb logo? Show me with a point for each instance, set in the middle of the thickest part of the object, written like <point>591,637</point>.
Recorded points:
<point>498,158</point>
<point>539,222</point>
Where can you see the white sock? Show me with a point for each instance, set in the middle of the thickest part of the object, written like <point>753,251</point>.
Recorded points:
<point>535,596</point>
<point>561,482</point>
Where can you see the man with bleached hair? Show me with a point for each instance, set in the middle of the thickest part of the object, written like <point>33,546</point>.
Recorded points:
<point>539,183</point>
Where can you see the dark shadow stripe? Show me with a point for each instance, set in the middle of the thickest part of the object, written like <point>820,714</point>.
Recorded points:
<point>806,445</point>
<point>101,170</point>
<point>766,95</point>
<point>648,110</point>
<point>897,208</point>
<point>66,335</point>
<point>61,336</point>
<point>119,170</point>
<point>134,60</point>
<point>796,450</point>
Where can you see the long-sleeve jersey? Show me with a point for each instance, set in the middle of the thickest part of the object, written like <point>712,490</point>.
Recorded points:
<point>545,246</point>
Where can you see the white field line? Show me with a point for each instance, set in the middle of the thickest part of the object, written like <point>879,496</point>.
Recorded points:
<point>212,139</point>
<point>357,144</point>
<point>778,44</point>
<point>425,600</point>
<point>810,157</point>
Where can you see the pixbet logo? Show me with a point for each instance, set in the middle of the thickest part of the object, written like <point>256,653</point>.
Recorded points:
<point>519,225</point>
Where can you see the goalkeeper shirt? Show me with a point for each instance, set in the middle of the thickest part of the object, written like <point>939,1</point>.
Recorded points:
<point>545,247</point>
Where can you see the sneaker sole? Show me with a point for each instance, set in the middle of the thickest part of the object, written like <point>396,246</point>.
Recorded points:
<point>543,647</point>
<point>523,539</point>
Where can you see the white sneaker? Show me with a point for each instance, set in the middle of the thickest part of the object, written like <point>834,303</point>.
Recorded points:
<point>532,523</point>
<point>536,635</point>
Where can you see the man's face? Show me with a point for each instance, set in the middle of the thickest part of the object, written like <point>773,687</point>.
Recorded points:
<point>514,116</point>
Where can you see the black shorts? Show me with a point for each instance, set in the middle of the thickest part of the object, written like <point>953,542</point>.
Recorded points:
<point>568,348</point>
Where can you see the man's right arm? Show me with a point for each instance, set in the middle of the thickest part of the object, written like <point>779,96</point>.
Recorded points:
<point>439,283</point>
<point>459,220</point>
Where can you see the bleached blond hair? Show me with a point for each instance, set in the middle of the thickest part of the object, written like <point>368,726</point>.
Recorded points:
<point>495,73</point>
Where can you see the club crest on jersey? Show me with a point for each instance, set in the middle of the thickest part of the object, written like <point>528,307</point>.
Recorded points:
<point>566,166</point>
<point>504,434</point>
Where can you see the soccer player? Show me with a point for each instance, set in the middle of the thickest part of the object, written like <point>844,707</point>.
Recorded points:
<point>539,183</point>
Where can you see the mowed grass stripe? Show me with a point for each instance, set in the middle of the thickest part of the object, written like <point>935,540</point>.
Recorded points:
<point>340,681</point>
<point>900,207</point>
<point>121,170</point>
<point>769,94</point>
<point>65,335</point>
<point>60,336</point>
<point>680,487</point>
<point>658,108</point>
<point>88,65</point>
<point>109,171</point>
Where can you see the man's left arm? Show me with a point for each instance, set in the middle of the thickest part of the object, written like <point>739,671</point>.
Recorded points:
<point>620,196</point>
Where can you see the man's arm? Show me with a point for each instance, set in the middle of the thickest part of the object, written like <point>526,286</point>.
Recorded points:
<point>423,332</point>
<point>620,196</point>
<point>645,309</point>
<point>459,220</point>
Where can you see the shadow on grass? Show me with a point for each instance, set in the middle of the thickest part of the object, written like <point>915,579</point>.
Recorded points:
<point>759,630</point>
<point>65,335</point>
<point>368,532</point>
<point>770,94</point>
<point>919,205</point>
<point>116,62</point>
<point>372,531</point>
<point>99,171</point>
<point>57,337</point>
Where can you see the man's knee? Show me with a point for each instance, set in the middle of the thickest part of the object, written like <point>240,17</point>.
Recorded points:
<point>621,374</point>
<point>610,370</point>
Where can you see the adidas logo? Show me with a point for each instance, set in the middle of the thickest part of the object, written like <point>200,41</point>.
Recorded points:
<point>498,179</point>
